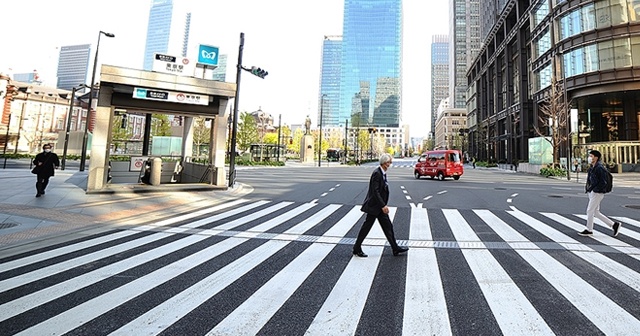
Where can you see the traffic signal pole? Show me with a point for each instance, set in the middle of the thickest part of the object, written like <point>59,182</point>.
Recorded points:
<point>234,131</point>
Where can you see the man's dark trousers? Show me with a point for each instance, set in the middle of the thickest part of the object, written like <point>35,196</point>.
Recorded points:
<point>42,182</point>
<point>385,223</point>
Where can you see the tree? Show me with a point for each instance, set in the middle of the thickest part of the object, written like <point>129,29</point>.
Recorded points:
<point>119,135</point>
<point>201,133</point>
<point>296,140</point>
<point>553,115</point>
<point>160,125</point>
<point>247,133</point>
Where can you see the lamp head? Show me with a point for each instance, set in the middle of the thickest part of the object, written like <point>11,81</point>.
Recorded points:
<point>107,34</point>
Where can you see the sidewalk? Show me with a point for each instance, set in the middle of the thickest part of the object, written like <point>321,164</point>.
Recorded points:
<point>67,208</point>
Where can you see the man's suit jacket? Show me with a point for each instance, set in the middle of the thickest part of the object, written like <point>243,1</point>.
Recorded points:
<point>377,195</point>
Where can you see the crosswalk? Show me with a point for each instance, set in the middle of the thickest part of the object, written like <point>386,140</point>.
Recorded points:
<point>262,267</point>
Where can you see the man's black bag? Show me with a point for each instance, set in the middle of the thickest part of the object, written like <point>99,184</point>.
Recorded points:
<point>609,177</point>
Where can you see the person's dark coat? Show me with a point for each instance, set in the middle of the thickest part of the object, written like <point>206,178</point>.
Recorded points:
<point>596,178</point>
<point>377,195</point>
<point>49,162</point>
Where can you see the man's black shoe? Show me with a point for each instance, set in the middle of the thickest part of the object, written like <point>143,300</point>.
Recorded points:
<point>616,228</point>
<point>401,249</point>
<point>38,194</point>
<point>360,254</point>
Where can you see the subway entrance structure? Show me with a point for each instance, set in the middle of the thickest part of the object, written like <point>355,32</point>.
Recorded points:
<point>147,92</point>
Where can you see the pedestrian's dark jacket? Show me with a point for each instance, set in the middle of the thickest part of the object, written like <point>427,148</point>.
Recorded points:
<point>377,195</point>
<point>49,162</point>
<point>596,178</point>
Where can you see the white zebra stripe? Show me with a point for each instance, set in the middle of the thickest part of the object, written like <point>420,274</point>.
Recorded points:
<point>602,311</point>
<point>340,313</point>
<point>167,313</point>
<point>629,233</point>
<point>614,243</point>
<point>24,303</point>
<point>513,311</point>
<point>424,296</point>
<point>88,310</point>
<point>78,261</point>
<point>256,311</point>
<point>255,215</point>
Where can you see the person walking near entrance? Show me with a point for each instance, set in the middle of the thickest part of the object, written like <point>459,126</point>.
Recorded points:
<point>45,165</point>
<point>595,187</point>
<point>375,206</point>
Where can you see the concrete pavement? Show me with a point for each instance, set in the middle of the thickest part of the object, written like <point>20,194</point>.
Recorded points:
<point>67,208</point>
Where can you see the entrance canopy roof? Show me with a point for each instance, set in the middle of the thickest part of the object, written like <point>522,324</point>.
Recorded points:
<point>164,93</point>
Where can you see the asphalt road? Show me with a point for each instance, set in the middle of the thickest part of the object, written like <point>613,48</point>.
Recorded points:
<point>492,253</point>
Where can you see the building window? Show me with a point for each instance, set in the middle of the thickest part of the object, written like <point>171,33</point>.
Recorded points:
<point>539,13</point>
<point>541,44</point>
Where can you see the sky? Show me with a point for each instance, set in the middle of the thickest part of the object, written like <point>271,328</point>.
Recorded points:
<point>283,37</point>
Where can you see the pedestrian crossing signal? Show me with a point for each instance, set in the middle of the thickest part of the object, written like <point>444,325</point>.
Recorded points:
<point>259,72</point>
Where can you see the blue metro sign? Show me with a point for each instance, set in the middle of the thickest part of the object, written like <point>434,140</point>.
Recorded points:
<point>208,55</point>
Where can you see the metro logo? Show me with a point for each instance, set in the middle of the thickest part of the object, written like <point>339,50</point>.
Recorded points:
<point>209,55</point>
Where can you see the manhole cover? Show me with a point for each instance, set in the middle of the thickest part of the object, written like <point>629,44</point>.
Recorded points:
<point>633,206</point>
<point>8,225</point>
<point>555,196</point>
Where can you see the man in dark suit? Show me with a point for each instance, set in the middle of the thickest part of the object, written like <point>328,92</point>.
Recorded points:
<point>45,163</point>
<point>375,206</point>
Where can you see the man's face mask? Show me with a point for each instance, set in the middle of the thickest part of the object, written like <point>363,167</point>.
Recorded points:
<point>47,150</point>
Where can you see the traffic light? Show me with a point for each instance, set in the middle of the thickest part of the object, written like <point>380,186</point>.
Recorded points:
<point>259,72</point>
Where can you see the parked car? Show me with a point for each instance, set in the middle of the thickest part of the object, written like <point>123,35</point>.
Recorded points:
<point>439,163</point>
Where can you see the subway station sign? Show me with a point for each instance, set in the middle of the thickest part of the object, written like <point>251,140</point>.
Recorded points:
<point>170,96</point>
<point>181,66</point>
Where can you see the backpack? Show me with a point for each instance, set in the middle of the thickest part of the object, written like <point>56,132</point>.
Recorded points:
<point>609,178</point>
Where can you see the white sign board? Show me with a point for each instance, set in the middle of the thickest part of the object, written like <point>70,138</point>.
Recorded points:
<point>170,96</point>
<point>181,66</point>
<point>137,162</point>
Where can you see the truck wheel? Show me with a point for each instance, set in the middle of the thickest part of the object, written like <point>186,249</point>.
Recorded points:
<point>416,174</point>
<point>440,176</point>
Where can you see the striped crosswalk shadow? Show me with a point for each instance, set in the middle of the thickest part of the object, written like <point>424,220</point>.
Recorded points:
<point>252,267</point>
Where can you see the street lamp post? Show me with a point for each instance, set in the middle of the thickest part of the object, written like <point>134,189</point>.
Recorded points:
<point>320,133</point>
<point>85,139</point>
<point>68,126</point>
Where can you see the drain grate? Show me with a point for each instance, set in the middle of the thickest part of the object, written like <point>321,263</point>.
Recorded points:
<point>556,196</point>
<point>8,225</point>
<point>632,206</point>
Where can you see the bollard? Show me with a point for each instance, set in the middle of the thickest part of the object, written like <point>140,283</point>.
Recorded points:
<point>156,171</point>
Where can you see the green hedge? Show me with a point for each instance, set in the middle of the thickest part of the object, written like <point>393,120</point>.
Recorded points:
<point>549,171</point>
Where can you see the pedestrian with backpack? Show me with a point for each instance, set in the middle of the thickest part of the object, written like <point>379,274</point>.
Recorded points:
<point>598,183</point>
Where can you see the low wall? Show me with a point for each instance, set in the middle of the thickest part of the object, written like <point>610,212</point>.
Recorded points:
<point>120,173</point>
<point>196,173</point>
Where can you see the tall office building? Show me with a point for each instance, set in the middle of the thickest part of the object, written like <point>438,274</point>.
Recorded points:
<point>439,75</point>
<point>220,73</point>
<point>330,82</point>
<point>73,66</point>
<point>167,32</point>
<point>370,81</point>
<point>465,44</point>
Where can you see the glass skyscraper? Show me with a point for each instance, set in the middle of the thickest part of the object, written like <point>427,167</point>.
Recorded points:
<point>370,81</point>
<point>439,75</point>
<point>330,82</point>
<point>167,31</point>
<point>73,65</point>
